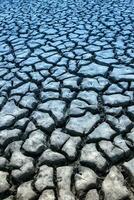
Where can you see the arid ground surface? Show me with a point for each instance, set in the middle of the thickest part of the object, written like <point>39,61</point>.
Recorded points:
<point>66,100</point>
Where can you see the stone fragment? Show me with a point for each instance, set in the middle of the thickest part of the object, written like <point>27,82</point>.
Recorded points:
<point>122,73</point>
<point>89,96</point>
<point>131,111</point>
<point>103,131</point>
<point>85,179</point>
<point>57,107</point>
<point>47,195</point>
<point>64,142</point>
<point>24,88</point>
<point>50,95</point>
<point>43,120</point>
<point>18,159</point>
<point>92,157</point>
<point>7,136</point>
<point>98,83</point>
<point>64,175</point>
<point>93,69</point>
<point>129,167</point>
<point>77,107</point>
<point>130,137</point>
<point>53,58</point>
<point>4,185</point>
<point>92,195</point>
<point>36,143</point>
<point>122,123</point>
<point>30,127</point>
<point>113,152</point>
<point>22,166</point>
<point>36,76</point>
<point>50,157</point>
<point>31,61</point>
<point>70,147</point>
<point>6,120</point>
<point>113,185</point>
<point>44,178</point>
<point>11,109</point>
<point>116,99</point>
<point>58,139</point>
<point>21,123</point>
<point>67,94</point>
<point>122,144</point>
<point>25,191</point>
<point>3,163</point>
<point>113,89</point>
<point>114,111</point>
<point>82,125</point>
<point>71,83</point>
<point>13,147</point>
<point>28,101</point>
<point>24,173</point>
<point>50,84</point>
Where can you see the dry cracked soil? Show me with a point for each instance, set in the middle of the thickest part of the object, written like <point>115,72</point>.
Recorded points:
<point>66,100</point>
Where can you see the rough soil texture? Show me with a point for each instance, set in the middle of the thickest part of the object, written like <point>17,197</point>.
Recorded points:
<point>66,100</point>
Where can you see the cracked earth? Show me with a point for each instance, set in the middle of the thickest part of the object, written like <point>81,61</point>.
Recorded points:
<point>66,100</point>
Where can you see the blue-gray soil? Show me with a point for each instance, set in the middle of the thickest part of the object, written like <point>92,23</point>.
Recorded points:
<point>66,100</point>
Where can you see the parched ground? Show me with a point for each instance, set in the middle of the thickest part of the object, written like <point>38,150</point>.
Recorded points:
<point>66,100</point>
